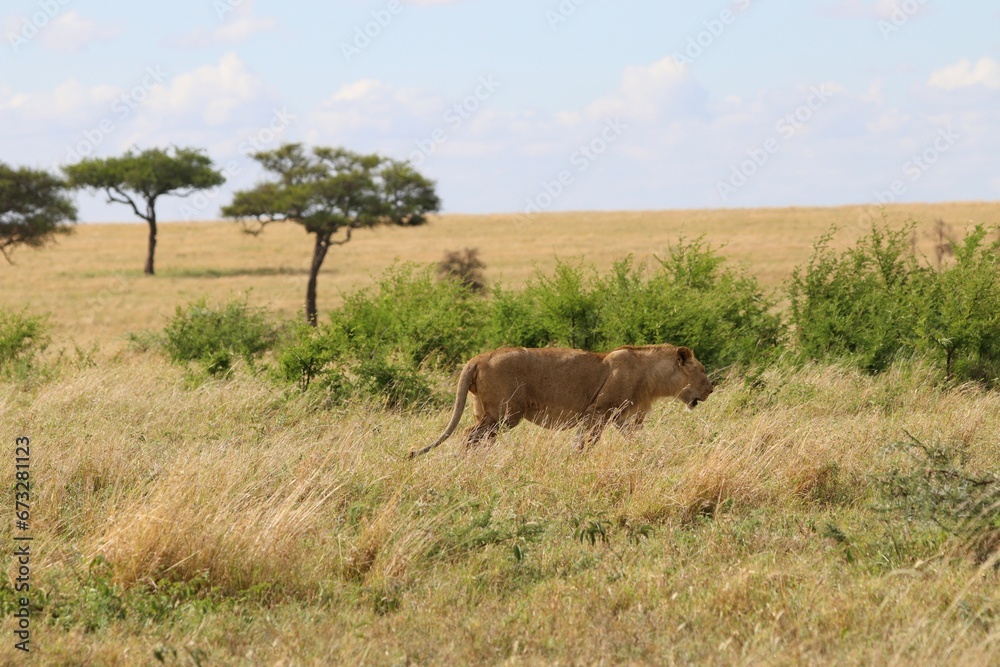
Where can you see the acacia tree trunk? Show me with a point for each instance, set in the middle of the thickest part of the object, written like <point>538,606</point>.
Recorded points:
<point>148,270</point>
<point>319,254</point>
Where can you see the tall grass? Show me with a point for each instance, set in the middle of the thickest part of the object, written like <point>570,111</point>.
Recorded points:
<point>231,518</point>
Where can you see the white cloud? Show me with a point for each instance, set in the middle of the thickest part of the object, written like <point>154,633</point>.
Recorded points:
<point>209,95</point>
<point>360,90</point>
<point>240,26</point>
<point>70,32</point>
<point>375,109</point>
<point>648,91</point>
<point>9,100</point>
<point>68,103</point>
<point>213,92</point>
<point>964,74</point>
<point>216,106</point>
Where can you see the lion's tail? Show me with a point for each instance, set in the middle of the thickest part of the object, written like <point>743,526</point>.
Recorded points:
<point>464,383</point>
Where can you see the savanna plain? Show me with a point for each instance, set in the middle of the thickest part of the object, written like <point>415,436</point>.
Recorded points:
<point>807,513</point>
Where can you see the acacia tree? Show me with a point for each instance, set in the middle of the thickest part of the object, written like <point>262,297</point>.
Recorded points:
<point>138,180</point>
<point>33,208</point>
<point>329,191</point>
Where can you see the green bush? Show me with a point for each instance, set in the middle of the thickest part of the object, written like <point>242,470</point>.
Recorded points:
<point>860,305</point>
<point>689,298</point>
<point>511,320</point>
<point>557,309</point>
<point>215,336</point>
<point>308,355</point>
<point>876,302</point>
<point>22,336</point>
<point>322,357</point>
<point>384,342</point>
<point>959,323</point>
<point>398,384</point>
<point>426,321</point>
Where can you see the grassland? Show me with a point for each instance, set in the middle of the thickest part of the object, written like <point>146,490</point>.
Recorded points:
<point>232,522</point>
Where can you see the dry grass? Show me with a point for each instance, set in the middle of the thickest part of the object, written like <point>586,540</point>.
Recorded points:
<point>233,522</point>
<point>306,537</point>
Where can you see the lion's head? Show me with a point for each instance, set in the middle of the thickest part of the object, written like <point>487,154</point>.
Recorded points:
<point>697,385</point>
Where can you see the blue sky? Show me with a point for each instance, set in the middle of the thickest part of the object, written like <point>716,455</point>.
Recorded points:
<point>527,105</point>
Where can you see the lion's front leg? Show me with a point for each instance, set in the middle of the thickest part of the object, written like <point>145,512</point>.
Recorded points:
<point>589,430</point>
<point>629,424</point>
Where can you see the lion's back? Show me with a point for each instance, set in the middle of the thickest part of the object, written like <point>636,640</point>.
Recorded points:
<point>553,378</point>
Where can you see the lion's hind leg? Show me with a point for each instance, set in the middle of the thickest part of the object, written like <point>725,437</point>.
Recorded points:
<point>484,430</point>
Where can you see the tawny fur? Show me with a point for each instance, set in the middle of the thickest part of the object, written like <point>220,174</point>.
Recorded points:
<point>562,388</point>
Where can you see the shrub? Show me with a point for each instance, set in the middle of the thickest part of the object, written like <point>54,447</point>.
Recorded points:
<point>959,323</point>
<point>383,342</point>
<point>22,336</point>
<point>938,488</point>
<point>214,336</point>
<point>307,355</point>
<point>428,322</point>
<point>690,298</point>
<point>464,266</point>
<point>323,357</point>
<point>512,320</point>
<point>399,384</point>
<point>875,303</point>
<point>565,305</point>
<point>859,305</point>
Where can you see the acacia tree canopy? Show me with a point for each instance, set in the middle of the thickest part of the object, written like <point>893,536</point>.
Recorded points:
<point>332,189</point>
<point>34,208</point>
<point>139,179</point>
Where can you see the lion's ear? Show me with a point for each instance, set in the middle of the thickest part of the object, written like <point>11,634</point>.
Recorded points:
<point>684,356</point>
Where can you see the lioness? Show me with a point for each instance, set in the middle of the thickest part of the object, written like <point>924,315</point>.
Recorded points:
<point>559,388</point>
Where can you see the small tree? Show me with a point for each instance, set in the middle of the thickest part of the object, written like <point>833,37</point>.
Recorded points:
<point>140,179</point>
<point>465,267</point>
<point>330,190</point>
<point>33,208</point>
